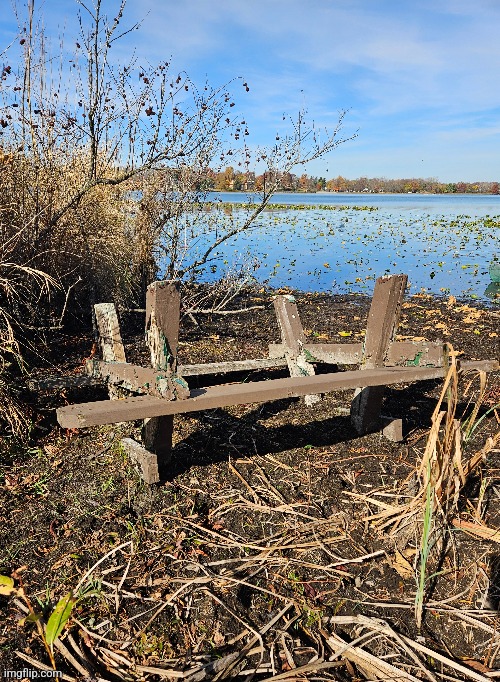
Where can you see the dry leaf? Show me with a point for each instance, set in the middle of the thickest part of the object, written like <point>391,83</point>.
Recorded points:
<point>480,531</point>
<point>477,665</point>
<point>472,317</point>
<point>401,564</point>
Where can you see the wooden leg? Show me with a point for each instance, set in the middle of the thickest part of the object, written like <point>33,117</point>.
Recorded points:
<point>392,429</point>
<point>110,340</point>
<point>162,336</point>
<point>147,461</point>
<point>157,438</point>
<point>293,340</point>
<point>365,409</point>
<point>383,320</point>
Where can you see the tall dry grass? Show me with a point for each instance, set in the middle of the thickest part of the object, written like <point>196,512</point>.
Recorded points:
<point>449,460</point>
<point>52,270</point>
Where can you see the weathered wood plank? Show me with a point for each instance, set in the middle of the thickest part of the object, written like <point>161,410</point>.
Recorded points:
<point>400,353</point>
<point>108,412</point>
<point>162,336</point>
<point>138,379</point>
<point>415,353</point>
<point>146,380</point>
<point>293,340</point>
<point>382,324</point>
<point>162,324</point>
<point>109,333</point>
<point>331,353</point>
<point>56,382</point>
<point>110,340</point>
<point>392,429</point>
<point>147,461</point>
<point>230,366</point>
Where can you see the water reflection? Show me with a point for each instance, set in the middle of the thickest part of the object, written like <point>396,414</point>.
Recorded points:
<point>445,245</point>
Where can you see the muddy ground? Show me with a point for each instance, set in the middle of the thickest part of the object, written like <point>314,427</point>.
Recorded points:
<point>256,557</point>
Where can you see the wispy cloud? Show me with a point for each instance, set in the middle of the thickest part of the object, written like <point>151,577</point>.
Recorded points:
<point>417,76</point>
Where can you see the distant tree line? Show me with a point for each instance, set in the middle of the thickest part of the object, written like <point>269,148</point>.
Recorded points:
<point>231,179</point>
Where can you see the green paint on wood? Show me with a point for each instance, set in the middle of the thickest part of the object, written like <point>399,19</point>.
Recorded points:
<point>416,360</point>
<point>309,356</point>
<point>182,382</point>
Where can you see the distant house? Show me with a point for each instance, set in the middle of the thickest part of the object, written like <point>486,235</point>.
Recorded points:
<point>249,183</point>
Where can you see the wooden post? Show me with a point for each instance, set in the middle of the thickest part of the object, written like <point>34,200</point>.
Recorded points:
<point>110,339</point>
<point>147,461</point>
<point>293,341</point>
<point>162,336</point>
<point>383,320</point>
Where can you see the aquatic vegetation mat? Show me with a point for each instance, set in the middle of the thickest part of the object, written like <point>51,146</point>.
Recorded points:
<point>338,249</point>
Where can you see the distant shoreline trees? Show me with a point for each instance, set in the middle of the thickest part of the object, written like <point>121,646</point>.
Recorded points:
<point>228,180</point>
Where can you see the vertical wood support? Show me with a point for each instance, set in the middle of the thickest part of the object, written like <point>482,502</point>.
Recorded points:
<point>110,339</point>
<point>162,336</point>
<point>146,461</point>
<point>383,320</point>
<point>293,340</point>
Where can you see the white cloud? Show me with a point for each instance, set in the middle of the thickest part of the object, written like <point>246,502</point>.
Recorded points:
<point>412,72</point>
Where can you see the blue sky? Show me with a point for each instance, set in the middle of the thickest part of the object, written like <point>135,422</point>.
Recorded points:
<point>421,78</point>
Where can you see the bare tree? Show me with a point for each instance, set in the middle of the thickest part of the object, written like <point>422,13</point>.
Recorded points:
<point>104,171</point>
<point>80,142</point>
<point>173,210</point>
<point>110,160</point>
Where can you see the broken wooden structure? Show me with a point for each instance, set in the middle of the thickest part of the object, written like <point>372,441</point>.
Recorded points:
<point>157,393</point>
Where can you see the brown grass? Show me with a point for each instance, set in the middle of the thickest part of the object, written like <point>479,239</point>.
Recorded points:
<point>444,470</point>
<point>49,273</point>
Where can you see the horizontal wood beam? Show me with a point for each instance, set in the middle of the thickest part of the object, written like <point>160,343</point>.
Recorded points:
<point>140,407</point>
<point>147,380</point>
<point>58,382</point>
<point>139,379</point>
<point>231,366</point>
<point>415,354</point>
<point>160,383</point>
<point>332,353</point>
<point>401,353</point>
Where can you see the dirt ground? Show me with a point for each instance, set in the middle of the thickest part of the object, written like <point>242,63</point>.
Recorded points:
<point>256,558</point>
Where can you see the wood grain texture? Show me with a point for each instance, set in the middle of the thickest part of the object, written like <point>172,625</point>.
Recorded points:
<point>293,340</point>
<point>382,324</point>
<point>108,412</point>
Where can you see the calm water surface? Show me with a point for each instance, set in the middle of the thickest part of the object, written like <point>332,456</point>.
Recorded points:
<point>443,242</point>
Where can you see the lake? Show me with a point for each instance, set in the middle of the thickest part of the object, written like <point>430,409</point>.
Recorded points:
<point>341,243</point>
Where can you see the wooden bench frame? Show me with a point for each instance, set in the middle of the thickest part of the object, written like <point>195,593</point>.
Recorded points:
<point>163,391</point>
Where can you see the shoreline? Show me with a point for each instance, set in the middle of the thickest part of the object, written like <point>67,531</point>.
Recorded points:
<point>360,194</point>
